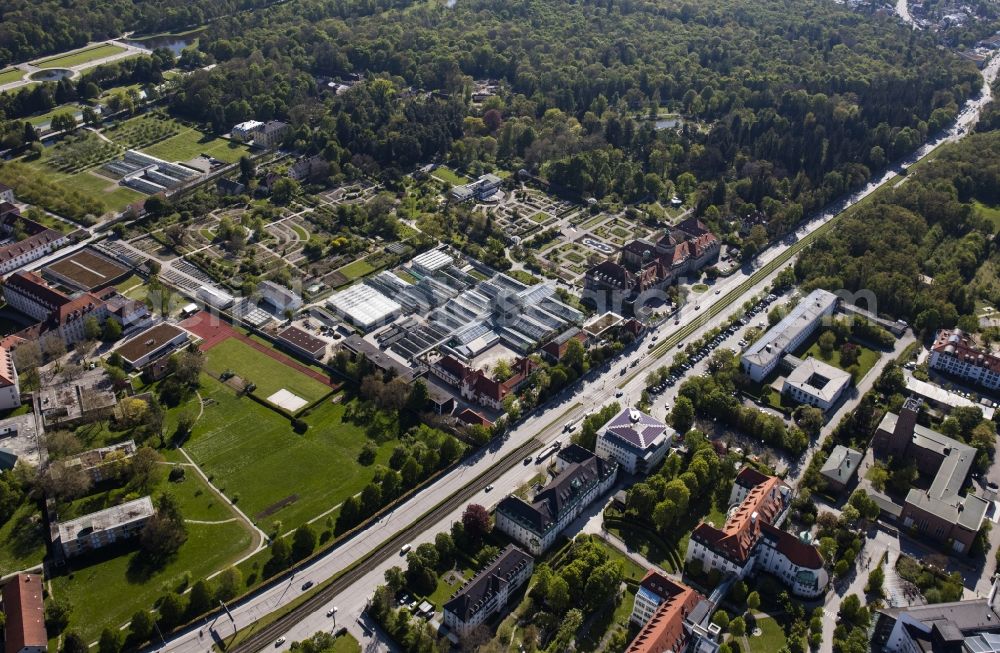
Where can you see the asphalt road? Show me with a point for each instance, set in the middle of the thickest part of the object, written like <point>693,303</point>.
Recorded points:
<point>544,426</point>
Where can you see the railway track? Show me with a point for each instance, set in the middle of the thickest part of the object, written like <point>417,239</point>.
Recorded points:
<point>269,633</point>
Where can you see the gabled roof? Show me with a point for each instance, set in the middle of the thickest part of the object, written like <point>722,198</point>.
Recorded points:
<point>471,598</point>
<point>31,283</point>
<point>665,630</point>
<point>23,605</point>
<point>8,375</point>
<point>763,504</point>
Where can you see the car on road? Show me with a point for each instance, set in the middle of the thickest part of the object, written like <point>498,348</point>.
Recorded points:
<point>278,642</point>
<point>306,585</point>
<point>569,427</point>
<point>406,549</point>
<point>619,393</point>
<point>527,461</point>
<point>718,290</point>
<point>489,487</point>
<point>993,486</point>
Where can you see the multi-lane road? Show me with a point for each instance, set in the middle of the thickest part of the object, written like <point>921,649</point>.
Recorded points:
<point>360,562</point>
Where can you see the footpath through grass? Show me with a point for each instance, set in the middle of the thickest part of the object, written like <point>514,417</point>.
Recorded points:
<point>253,455</point>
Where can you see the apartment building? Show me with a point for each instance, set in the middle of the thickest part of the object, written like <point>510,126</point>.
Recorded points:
<point>488,592</point>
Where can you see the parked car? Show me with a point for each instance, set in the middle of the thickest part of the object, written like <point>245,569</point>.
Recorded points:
<point>278,642</point>
<point>306,585</point>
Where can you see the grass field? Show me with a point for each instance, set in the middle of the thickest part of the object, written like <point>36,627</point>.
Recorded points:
<point>300,232</point>
<point>11,75</point>
<point>866,359</point>
<point>107,592</point>
<point>88,183</point>
<point>269,374</point>
<point>771,639</point>
<point>252,453</point>
<point>991,213</point>
<point>450,176</point>
<point>22,539</point>
<point>356,270</point>
<point>80,57</point>
<point>190,142</point>
<point>43,118</point>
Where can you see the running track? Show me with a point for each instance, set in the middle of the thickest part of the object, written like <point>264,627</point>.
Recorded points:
<point>213,330</point>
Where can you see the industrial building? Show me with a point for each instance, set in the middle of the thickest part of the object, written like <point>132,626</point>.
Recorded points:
<point>363,306</point>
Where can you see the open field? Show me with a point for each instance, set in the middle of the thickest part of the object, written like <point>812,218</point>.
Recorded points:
<point>253,454</point>
<point>107,591</point>
<point>991,213</point>
<point>189,143</point>
<point>356,270</point>
<point>11,75</point>
<point>448,175</point>
<point>22,539</point>
<point>866,358</point>
<point>80,57</point>
<point>35,182</point>
<point>771,638</point>
<point>267,373</point>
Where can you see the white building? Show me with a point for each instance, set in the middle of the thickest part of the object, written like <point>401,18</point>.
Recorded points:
<point>32,248</point>
<point>479,189</point>
<point>635,440</point>
<point>215,298</point>
<point>969,626</point>
<point>957,354</point>
<point>762,357</point>
<point>536,525</point>
<point>750,541</point>
<point>105,527</point>
<point>364,306</point>
<point>488,591</point>
<point>280,297</point>
<point>6,193</point>
<point>246,131</point>
<point>10,387</point>
<point>430,262</point>
<point>151,344</point>
<point>815,383</point>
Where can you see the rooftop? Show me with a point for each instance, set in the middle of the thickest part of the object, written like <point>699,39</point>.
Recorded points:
<point>106,519</point>
<point>779,337</point>
<point>819,379</point>
<point>474,594</point>
<point>842,463</point>
<point>148,341</point>
<point>941,396</point>
<point>25,612</point>
<point>303,340</point>
<point>959,344</point>
<point>363,305</point>
<point>637,429</point>
<point>665,630</point>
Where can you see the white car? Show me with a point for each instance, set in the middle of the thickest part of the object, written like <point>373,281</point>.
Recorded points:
<point>279,641</point>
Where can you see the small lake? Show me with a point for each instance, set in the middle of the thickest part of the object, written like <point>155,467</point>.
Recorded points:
<point>51,74</point>
<point>173,42</point>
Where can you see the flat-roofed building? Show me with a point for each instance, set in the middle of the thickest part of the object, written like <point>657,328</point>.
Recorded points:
<point>364,306</point>
<point>215,298</point>
<point>105,527</point>
<point>762,357</point>
<point>23,606</point>
<point>430,262</point>
<point>488,592</point>
<point>635,440</point>
<point>99,463</point>
<point>303,343</point>
<point>246,131</point>
<point>967,626</point>
<point>280,297</point>
<point>153,343</point>
<point>943,399</point>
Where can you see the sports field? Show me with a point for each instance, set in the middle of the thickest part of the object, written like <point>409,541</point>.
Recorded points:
<point>268,374</point>
<point>253,455</point>
<point>80,56</point>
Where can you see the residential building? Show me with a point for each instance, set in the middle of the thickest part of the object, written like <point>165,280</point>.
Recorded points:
<point>98,464</point>
<point>312,168</point>
<point>280,297</point>
<point>6,195</point>
<point>684,249</point>
<point>968,626</point>
<point>272,133</point>
<point>762,357</point>
<point>151,344</point>
<point>635,440</point>
<point>955,353</point>
<point>10,387</point>
<point>944,400</point>
<point>816,383</point>
<point>939,512</point>
<point>246,131</point>
<point>536,525</point>
<point>32,248</point>
<point>303,343</point>
<point>750,542</point>
<point>839,469</point>
<point>23,606</point>
<point>102,528</point>
<point>670,615</point>
<point>28,293</point>
<point>481,189</point>
<point>488,592</point>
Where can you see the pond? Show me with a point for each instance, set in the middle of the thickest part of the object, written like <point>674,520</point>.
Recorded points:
<point>51,74</point>
<point>173,42</point>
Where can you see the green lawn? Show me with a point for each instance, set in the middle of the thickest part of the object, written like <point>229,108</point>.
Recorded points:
<point>190,143</point>
<point>345,644</point>
<point>43,118</point>
<point>133,280</point>
<point>699,288</point>
<point>22,539</point>
<point>866,359</point>
<point>356,269</point>
<point>450,176</point>
<point>300,232</point>
<point>771,639</point>
<point>80,57</point>
<point>991,213</point>
<point>107,593</point>
<point>444,590</point>
<point>252,452</point>
<point>88,183</point>
<point>539,217</point>
<point>268,374</point>
<point>11,75</point>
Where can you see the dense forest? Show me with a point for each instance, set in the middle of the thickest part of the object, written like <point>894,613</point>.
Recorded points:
<point>789,104</point>
<point>927,249</point>
<point>29,28</point>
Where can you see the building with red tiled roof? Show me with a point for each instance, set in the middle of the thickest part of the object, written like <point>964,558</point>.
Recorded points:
<point>662,608</point>
<point>10,388</point>
<point>23,605</point>
<point>955,353</point>
<point>476,385</point>
<point>750,540</point>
